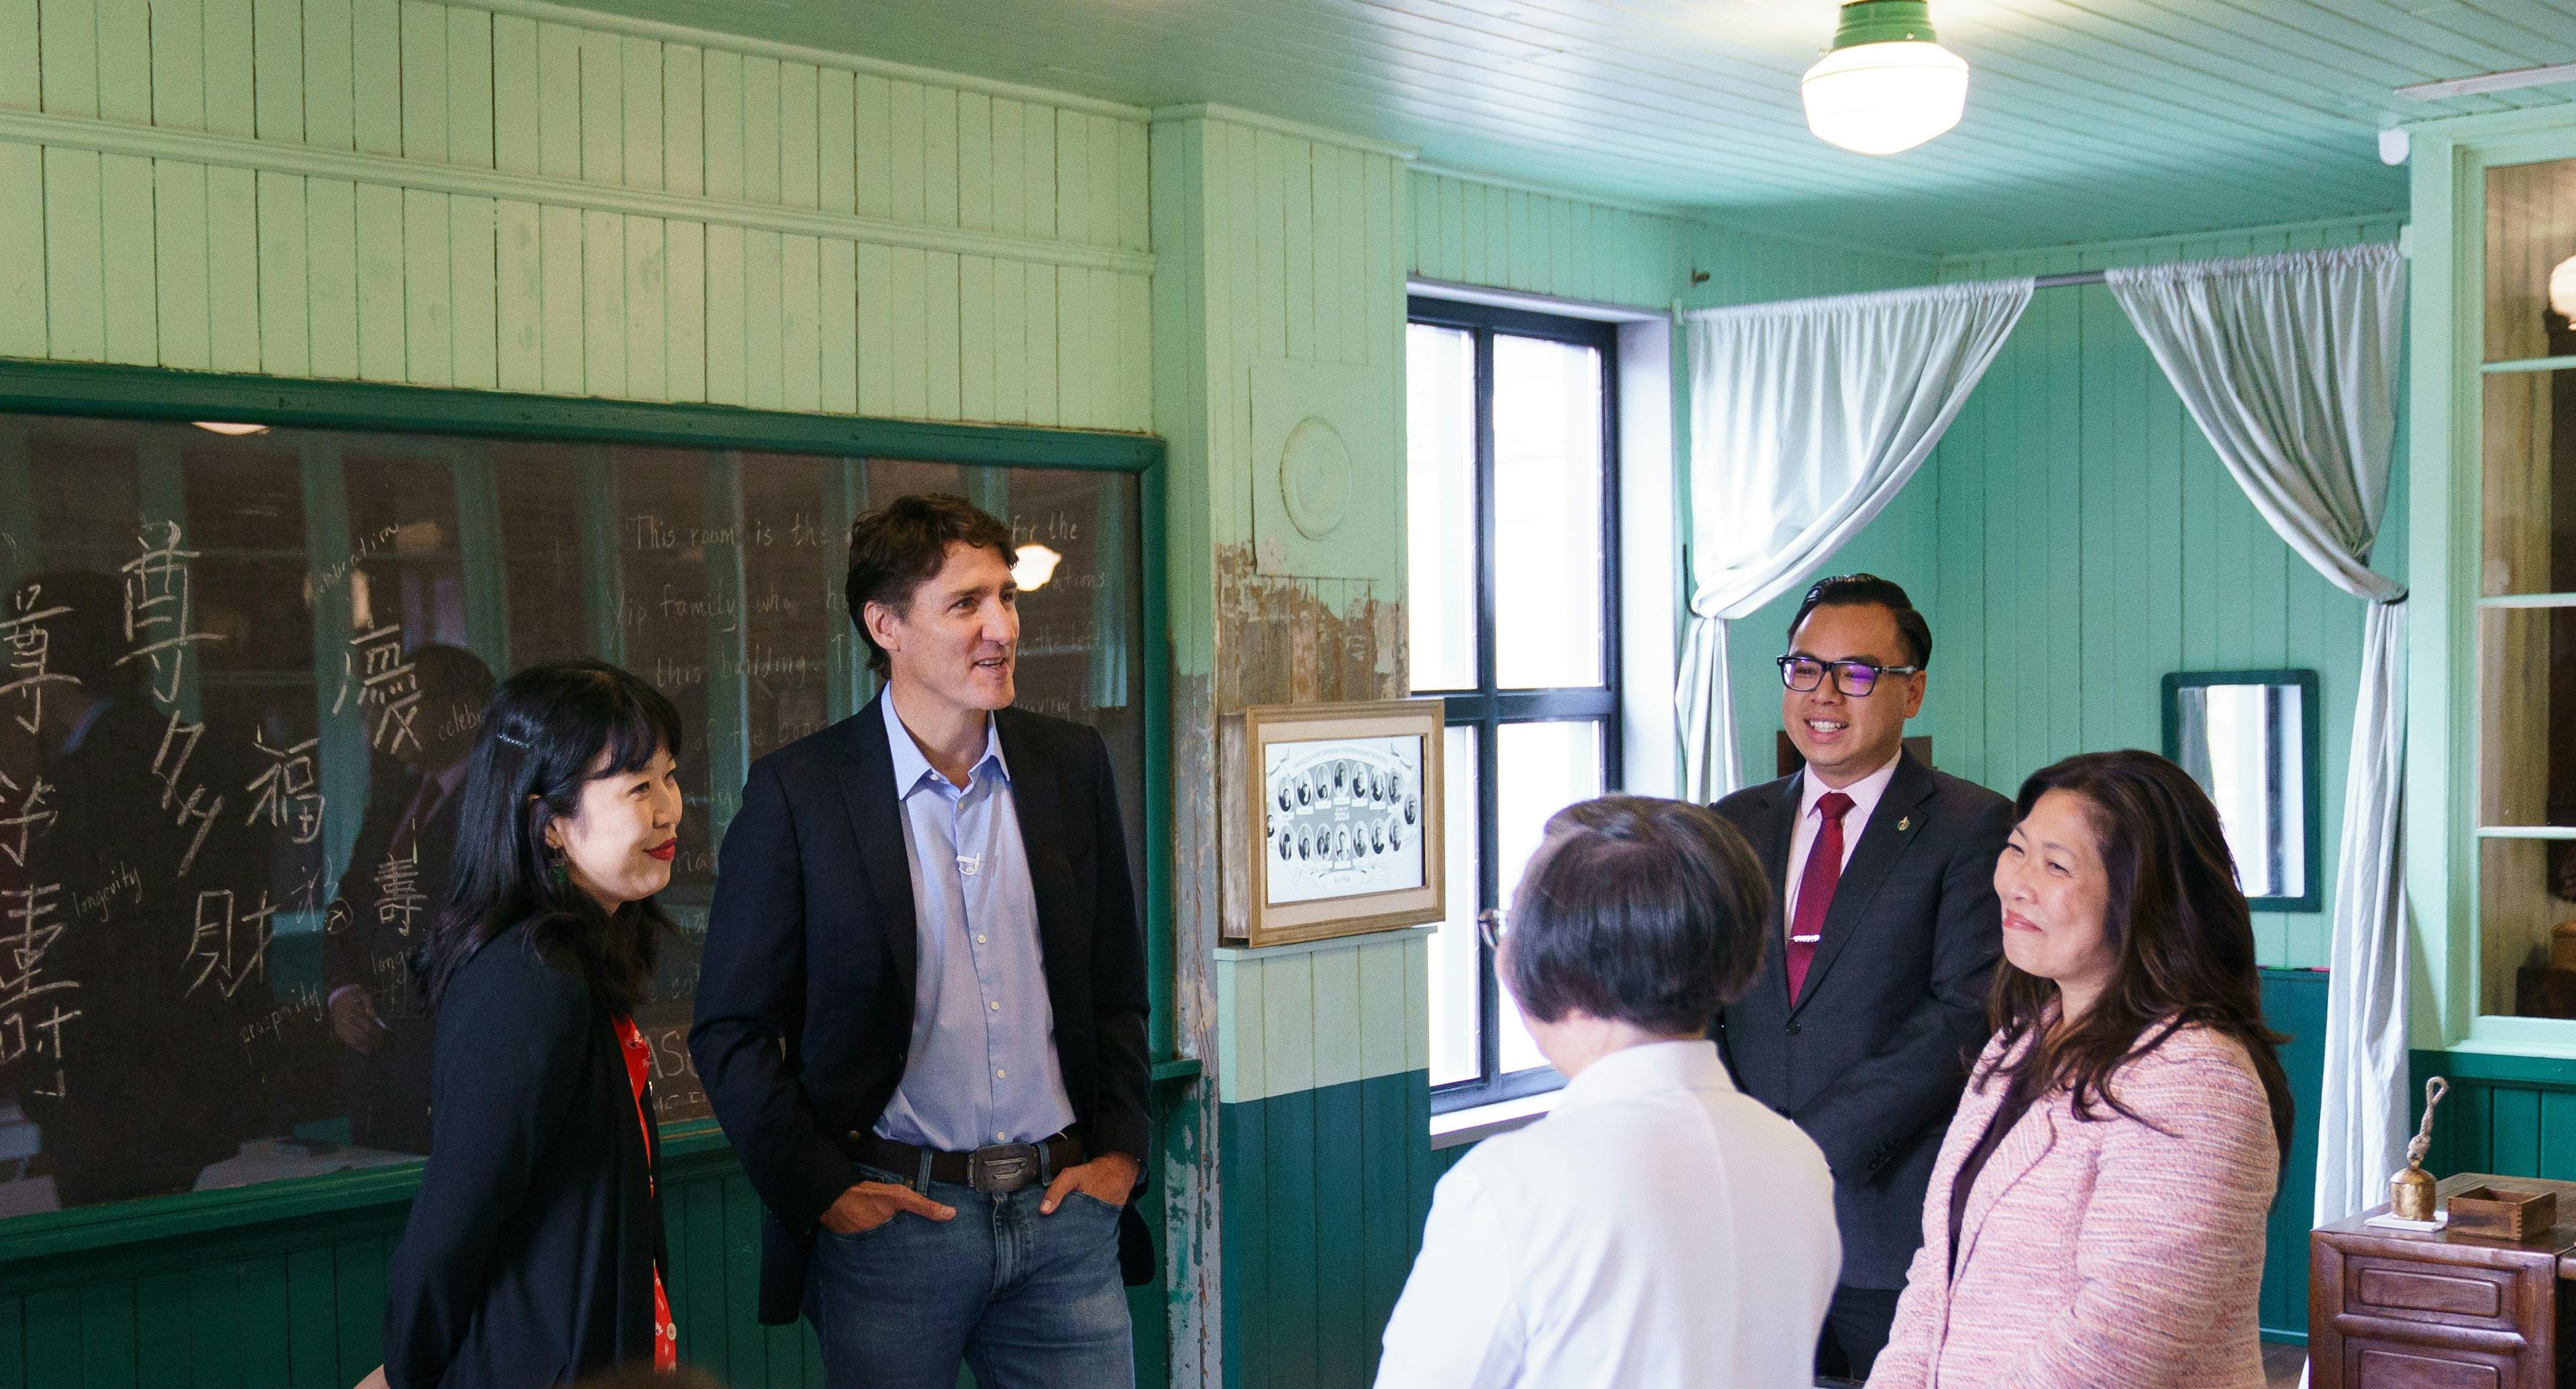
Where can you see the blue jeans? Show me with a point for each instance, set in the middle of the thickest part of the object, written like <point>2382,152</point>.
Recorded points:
<point>1027,1301</point>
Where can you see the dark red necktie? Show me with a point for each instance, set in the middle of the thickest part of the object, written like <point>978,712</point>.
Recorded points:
<point>1816,888</point>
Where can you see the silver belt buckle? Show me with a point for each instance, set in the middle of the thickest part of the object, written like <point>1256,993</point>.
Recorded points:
<point>1003,1167</point>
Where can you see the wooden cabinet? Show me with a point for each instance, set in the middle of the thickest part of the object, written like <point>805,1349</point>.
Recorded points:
<point>2393,1309</point>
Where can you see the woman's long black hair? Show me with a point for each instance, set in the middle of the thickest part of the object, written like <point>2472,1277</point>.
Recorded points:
<point>542,740</point>
<point>2181,938</point>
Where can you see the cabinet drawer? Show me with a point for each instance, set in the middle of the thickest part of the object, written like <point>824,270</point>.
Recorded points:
<point>2455,1295</point>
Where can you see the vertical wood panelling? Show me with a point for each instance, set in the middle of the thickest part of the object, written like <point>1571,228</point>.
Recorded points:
<point>237,269</point>
<point>2073,540</point>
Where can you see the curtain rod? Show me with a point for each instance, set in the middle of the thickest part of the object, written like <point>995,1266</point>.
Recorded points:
<point>2080,277</point>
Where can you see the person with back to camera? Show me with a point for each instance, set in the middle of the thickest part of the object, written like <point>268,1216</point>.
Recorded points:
<point>1659,1229</point>
<point>2097,1214</point>
<point>1882,870</point>
<point>534,1252</point>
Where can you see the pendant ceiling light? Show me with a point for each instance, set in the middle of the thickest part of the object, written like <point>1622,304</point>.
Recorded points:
<point>1886,85</point>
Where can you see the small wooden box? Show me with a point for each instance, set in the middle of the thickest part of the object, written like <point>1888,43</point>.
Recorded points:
<point>2495,1212</point>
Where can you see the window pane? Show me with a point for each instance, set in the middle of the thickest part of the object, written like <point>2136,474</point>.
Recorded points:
<point>1440,504</point>
<point>1547,513</point>
<point>1540,768</point>
<point>1453,946</point>
<point>2529,452</point>
<point>2531,260</point>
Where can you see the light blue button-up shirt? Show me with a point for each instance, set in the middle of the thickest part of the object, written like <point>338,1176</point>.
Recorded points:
<point>983,1068</point>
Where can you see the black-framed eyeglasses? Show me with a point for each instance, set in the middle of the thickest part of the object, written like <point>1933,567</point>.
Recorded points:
<point>1490,928</point>
<point>1854,678</point>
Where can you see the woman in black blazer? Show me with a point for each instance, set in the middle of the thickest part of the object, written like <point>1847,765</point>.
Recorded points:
<point>534,1253</point>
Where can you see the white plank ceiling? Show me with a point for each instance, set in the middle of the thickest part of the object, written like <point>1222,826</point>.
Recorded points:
<point>2086,121</point>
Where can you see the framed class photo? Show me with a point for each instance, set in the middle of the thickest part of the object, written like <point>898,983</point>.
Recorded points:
<point>1340,815</point>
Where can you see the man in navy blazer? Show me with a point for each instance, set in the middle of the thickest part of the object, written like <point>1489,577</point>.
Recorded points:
<point>1887,929</point>
<point>921,1017</point>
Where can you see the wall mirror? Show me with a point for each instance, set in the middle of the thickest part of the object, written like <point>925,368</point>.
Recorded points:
<point>2250,738</point>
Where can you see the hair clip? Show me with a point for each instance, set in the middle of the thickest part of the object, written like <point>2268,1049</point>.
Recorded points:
<point>504,737</point>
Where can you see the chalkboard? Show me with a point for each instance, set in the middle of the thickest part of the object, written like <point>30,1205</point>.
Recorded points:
<point>237,677</point>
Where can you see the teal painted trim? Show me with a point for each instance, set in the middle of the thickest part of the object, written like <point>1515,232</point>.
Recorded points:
<point>82,388</point>
<point>2529,600</point>
<point>1178,1070</point>
<point>2294,1004</point>
<point>2528,364</point>
<point>2493,1068</point>
<point>688,1150</point>
<point>1160,964</point>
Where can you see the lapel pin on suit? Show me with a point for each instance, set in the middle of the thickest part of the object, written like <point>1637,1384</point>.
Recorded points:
<point>1904,823</point>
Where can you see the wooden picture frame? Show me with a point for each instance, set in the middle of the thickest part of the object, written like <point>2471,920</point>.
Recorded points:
<point>1332,820</point>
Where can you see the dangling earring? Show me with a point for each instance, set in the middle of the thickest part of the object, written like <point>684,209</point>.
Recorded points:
<point>555,868</point>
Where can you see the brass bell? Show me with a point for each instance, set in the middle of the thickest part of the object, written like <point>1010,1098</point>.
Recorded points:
<point>2410,1192</point>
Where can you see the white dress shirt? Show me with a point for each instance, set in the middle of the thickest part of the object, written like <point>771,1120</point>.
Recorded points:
<point>1658,1228</point>
<point>1865,794</point>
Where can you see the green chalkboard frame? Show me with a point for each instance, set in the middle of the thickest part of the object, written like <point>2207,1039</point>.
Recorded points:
<point>34,1245</point>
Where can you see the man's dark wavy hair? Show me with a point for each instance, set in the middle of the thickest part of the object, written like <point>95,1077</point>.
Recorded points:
<point>898,547</point>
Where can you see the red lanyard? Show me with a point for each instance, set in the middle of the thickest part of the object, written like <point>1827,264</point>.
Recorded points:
<point>639,1069</point>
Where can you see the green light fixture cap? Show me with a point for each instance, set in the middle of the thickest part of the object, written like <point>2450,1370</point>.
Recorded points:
<point>1884,21</point>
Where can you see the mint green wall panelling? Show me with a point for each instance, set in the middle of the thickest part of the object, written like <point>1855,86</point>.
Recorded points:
<point>74,293</point>
<point>330,92</point>
<point>939,349</point>
<point>1337,1023</point>
<point>800,347</point>
<point>23,215</point>
<point>176,265</point>
<point>21,86</point>
<point>285,341</point>
<point>603,304</point>
<point>2074,461</point>
<point>1048,347</point>
<point>380,279</point>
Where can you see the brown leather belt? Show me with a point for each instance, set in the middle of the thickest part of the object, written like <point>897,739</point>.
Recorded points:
<point>1000,1168</point>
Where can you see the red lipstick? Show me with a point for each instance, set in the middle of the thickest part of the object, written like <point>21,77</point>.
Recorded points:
<point>666,851</point>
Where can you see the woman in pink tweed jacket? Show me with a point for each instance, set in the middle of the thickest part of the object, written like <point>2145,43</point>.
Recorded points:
<point>2096,1216</point>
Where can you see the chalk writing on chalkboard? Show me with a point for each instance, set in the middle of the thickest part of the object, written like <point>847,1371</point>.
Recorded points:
<point>230,943</point>
<point>232,735</point>
<point>160,609</point>
<point>170,767</point>
<point>382,678</point>
<point>287,785</point>
<point>23,630</point>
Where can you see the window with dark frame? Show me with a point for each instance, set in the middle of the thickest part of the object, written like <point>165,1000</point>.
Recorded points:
<point>1512,601</point>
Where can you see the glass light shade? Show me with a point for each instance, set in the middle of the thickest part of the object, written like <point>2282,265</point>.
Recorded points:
<point>2562,288</point>
<point>1879,98</point>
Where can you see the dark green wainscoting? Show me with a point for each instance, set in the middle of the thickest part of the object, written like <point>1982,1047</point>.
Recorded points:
<point>294,1299</point>
<point>2294,1002</point>
<point>1325,1192</point>
<point>2511,1115</point>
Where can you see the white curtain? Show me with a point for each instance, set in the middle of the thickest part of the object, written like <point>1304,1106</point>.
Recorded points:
<point>2289,364</point>
<point>1806,418</point>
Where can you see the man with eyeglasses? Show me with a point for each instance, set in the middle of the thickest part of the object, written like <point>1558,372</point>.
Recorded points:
<point>1882,875</point>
